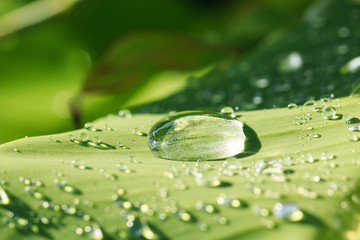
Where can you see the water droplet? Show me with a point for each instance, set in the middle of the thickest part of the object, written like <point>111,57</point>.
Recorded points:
<point>183,215</point>
<point>122,146</point>
<point>96,139</point>
<point>4,199</point>
<point>200,205</point>
<point>316,135</point>
<point>228,111</point>
<point>353,124</point>
<point>125,113</point>
<point>288,211</point>
<point>221,219</point>
<point>137,132</point>
<point>319,106</point>
<point>268,223</point>
<point>261,211</point>
<point>230,202</point>
<point>54,140</point>
<point>196,135</point>
<point>202,227</point>
<point>83,137</point>
<point>94,232</point>
<point>354,136</point>
<point>292,106</point>
<point>17,150</point>
<point>209,179</point>
<point>309,103</point>
<point>351,67</point>
<point>291,63</point>
<point>329,113</point>
<point>70,137</point>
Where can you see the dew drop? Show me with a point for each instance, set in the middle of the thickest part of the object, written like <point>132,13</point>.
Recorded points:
<point>288,211</point>
<point>202,227</point>
<point>354,136</point>
<point>228,111</point>
<point>94,232</point>
<point>268,223</point>
<point>319,106</point>
<point>70,137</point>
<point>196,135</point>
<point>4,199</point>
<point>17,150</point>
<point>124,113</point>
<point>230,202</point>
<point>353,124</point>
<point>83,137</point>
<point>329,113</point>
<point>209,179</point>
<point>309,103</point>
<point>316,135</point>
<point>292,106</point>
<point>96,140</point>
<point>221,220</point>
<point>201,206</point>
<point>137,132</point>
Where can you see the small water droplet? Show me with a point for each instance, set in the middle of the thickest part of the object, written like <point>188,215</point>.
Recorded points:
<point>268,223</point>
<point>83,137</point>
<point>221,220</point>
<point>319,106</point>
<point>202,227</point>
<point>288,211</point>
<point>309,103</point>
<point>201,206</point>
<point>196,135</point>
<point>228,111</point>
<point>261,211</point>
<point>54,140</point>
<point>230,202</point>
<point>209,179</point>
<point>70,137</point>
<point>316,135</point>
<point>183,215</point>
<point>124,113</point>
<point>292,106</point>
<point>96,139</point>
<point>4,199</point>
<point>329,113</point>
<point>354,136</point>
<point>17,150</point>
<point>353,124</point>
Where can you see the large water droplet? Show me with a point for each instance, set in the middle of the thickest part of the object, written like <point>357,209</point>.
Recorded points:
<point>353,124</point>
<point>196,135</point>
<point>329,113</point>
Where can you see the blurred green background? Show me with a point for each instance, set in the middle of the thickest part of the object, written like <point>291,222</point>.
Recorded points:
<point>63,58</point>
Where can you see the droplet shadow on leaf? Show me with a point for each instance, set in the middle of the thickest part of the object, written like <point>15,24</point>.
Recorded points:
<point>252,143</point>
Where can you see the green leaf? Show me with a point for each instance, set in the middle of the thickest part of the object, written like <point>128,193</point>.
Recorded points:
<point>92,175</point>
